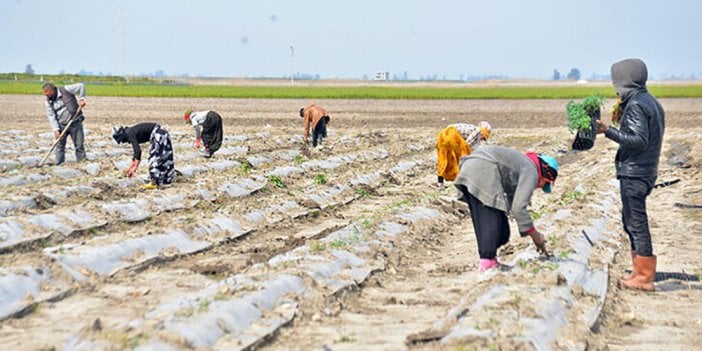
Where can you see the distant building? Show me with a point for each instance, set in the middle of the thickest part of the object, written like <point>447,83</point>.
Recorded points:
<point>381,76</point>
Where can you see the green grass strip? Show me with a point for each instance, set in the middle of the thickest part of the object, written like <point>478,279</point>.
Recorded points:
<point>340,92</point>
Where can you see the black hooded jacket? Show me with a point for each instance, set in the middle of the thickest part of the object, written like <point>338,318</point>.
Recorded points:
<point>640,136</point>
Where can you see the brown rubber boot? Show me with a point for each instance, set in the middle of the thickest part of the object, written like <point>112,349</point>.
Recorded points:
<point>631,275</point>
<point>645,267</point>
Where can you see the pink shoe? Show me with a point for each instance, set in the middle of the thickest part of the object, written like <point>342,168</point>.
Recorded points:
<point>487,263</point>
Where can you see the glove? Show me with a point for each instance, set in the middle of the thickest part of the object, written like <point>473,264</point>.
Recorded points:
<point>539,242</point>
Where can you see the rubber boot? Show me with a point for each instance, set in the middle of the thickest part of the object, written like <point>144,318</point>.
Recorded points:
<point>645,267</point>
<point>628,276</point>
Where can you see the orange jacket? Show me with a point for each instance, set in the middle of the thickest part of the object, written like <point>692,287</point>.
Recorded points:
<point>312,114</point>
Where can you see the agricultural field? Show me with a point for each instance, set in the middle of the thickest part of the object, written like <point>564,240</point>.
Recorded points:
<point>274,245</point>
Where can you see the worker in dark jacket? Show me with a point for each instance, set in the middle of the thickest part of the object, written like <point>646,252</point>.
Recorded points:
<point>161,165</point>
<point>640,137</point>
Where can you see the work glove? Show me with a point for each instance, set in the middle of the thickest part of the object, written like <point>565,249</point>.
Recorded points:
<point>539,242</point>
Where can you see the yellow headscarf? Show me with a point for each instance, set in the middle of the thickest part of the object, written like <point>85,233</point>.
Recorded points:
<point>450,147</point>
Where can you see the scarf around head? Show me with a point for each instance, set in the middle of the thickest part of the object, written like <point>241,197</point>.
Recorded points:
<point>450,147</point>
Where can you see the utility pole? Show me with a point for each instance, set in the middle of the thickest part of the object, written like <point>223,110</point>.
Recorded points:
<point>292,65</point>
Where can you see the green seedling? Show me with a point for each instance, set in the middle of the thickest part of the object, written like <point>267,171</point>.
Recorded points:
<point>244,168</point>
<point>563,255</point>
<point>362,192</point>
<point>317,246</point>
<point>299,159</point>
<point>275,180</point>
<point>571,197</point>
<point>203,305</point>
<point>523,263</point>
<point>320,179</point>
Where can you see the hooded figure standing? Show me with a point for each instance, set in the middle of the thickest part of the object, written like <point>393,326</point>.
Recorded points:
<point>640,137</point>
<point>316,120</point>
<point>161,165</point>
<point>496,180</point>
<point>208,129</point>
<point>61,104</point>
<point>455,141</point>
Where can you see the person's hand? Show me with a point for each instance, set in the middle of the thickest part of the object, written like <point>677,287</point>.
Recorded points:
<point>129,172</point>
<point>57,134</point>
<point>539,242</point>
<point>197,143</point>
<point>82,103</point>
<point>601,126</point>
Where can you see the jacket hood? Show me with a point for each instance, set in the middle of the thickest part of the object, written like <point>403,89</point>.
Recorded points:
<point>629,75</point>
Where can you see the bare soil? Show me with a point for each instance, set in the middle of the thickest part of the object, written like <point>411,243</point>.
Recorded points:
<point>420,284</point>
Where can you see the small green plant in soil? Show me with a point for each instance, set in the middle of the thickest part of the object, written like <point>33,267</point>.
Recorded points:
<point>320,179</point>
<point>203,305</point>
<point>362,192</point>
<point>571,197</point>
<point>244,168</point>
<point>275,180</point>
<point>317,246</point>
<point>299,159</point>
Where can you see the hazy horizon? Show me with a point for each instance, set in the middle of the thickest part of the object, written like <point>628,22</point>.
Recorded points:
<point>454,40</point>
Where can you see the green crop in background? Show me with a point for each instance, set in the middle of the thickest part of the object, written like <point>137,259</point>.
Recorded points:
<point>143,87</point>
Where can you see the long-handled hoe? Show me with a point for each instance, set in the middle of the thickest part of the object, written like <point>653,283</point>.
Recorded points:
<point>63,134</point>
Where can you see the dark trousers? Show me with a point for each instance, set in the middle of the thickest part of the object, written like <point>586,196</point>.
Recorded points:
<point>75,131</point>
<point>319,132</point>
<point>490,225</point>
<point>634,192</point>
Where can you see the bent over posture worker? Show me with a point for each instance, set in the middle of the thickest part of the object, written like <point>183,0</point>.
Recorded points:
<point>208,130</point>
<point>161,165</point>
<point>494,181</point>
<point>316,120</point>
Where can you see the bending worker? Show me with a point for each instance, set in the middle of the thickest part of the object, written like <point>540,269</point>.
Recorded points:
<point>208,129</point>
<point>161,165</point>
<point>316,120</point>
<point>496,180</point>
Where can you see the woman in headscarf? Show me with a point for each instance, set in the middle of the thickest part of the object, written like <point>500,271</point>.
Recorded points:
<point>208,129</point>
<point>455,141</point>
<point>161,165</point>
<point>496,181</point>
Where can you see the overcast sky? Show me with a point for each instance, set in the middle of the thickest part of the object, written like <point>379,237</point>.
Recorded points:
<point>350,39</point>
